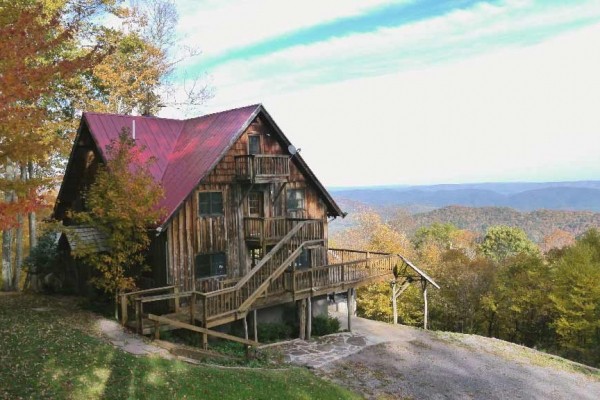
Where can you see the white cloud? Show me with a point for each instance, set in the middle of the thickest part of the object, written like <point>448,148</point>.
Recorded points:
<point>458,34</point>
<point>465,97</point>
<point>218,26</point>
<point>525,114</point>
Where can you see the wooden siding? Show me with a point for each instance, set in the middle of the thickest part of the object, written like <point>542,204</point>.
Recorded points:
<point>189,234</point>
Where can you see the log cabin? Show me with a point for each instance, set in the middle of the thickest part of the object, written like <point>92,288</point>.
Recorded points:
<point>245,222</point>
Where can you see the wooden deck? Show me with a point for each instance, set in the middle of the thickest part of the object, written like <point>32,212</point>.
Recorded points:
<point>227,305</point>
<point>274,280</point>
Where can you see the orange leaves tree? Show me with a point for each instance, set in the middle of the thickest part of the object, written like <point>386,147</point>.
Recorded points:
<point>39,49</point>
<point>122,205</point>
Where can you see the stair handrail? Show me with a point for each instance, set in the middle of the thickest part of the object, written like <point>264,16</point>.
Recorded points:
<point>263,261</point>
<point>275,274</point>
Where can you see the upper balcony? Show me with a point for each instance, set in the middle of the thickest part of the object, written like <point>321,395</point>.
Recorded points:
<point>269,231</point>
<point>262,168</point>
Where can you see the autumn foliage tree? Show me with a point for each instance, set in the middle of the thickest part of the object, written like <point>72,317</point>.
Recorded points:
<point>122,205</point>
<point>38,39</point>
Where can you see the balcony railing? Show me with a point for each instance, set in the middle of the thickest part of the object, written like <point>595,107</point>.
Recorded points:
<point>273,229</point>
<point>262,167</point>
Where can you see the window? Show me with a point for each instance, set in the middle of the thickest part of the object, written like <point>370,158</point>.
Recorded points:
<point>303,260</point>
<point>255,256</point>
<point>211,265</point>
<point>254,144</point>
<point>255,204</point>
<point>295,199</point>
<point>210,203</point>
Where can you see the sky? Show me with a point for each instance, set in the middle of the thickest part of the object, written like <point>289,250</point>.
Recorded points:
<point>411,92</point>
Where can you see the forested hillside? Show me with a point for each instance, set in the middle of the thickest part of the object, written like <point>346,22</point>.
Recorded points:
<point>582,196</point>
<point>499,283</point>
<point>537,224</point>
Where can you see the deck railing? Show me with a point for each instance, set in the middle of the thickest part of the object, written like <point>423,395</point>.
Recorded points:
<point>239,298</point>
<point>271,229</point>
<point>255,167</point>
<point>346,273</point>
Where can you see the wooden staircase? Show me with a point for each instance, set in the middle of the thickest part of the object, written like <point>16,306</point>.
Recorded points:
<point>275,280</point>
<point>227,305</point>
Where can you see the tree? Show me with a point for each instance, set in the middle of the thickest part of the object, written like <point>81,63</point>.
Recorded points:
<point>36,53</point>
<point>502,242</point>
<point>136,77</point>
<point>122,204</point>
<point>558,240</point>
<point>519,302</point>
<point>437,232</point>
<point>456,307</point>
<point>576,299</point>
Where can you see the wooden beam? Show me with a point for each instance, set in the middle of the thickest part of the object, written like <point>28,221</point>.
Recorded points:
<point>123,309</point>
<point>156,330</point>
<point>394,304</point>
<point>350,309</point>
<point>176,293</point>
<point>279,192</point>
<point>255,325</point>
<point>425,311</point>
<point>302,318</point>
<point>199,329</point>
<point>308,318</point>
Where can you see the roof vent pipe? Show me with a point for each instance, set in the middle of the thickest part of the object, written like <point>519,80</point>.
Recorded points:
<point>133,129</point>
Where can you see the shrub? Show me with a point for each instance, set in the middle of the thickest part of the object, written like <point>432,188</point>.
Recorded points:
<point>324,325</point>
<point>44,256</point>
<point>271,332</point>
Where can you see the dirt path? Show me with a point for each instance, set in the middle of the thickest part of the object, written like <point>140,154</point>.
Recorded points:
<point>128,341</point>
<point>403,362</point>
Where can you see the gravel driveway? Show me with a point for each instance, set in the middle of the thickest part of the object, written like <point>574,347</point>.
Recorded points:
<point>400,362</point>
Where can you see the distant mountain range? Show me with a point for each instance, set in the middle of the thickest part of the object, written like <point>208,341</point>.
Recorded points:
<point>523,196</point>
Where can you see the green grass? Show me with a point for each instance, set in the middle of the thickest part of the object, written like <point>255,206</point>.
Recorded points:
<point>54,352</point>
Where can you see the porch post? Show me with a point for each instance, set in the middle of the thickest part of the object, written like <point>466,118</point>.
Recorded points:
<point>394,303</point>
<point>302,318</point>
<point>350,309</point>
<point>255,325</point>
<point>425,311</point>
<point>308,318</point>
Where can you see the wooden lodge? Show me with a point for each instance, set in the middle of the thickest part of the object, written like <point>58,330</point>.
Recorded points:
<point>246,220</point>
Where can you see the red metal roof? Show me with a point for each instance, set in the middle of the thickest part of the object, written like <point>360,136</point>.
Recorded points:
<point>185,150</point>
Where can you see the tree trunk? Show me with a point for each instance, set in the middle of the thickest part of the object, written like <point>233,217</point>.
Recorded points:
<point>7,271</point>
<point>7,266</point>
<point>32,219</point>
<point>19,236</point>
<point>18,252</point>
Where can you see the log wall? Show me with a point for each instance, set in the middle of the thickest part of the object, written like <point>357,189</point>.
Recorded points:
<point>189,234</point>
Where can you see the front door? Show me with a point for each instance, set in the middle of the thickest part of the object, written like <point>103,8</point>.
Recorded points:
<point>256,204</point>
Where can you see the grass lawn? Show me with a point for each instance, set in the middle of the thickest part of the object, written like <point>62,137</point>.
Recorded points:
<point>49,348</point>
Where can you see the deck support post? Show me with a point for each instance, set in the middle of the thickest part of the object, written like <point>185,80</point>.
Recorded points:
<point>192,308</point>
<point>394,303</point>
<point>176,292</point>
<point>255,325</point>
<point>302,318</point>
<point>123,309</point>
<point>308,318</point>
<point>156,330</point>
<point>425,310</point>
<point>138,316</point>
<point>350,309</point>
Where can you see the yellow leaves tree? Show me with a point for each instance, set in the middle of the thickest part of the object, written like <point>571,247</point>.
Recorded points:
<point>36,52</point>
<point>122,205</point>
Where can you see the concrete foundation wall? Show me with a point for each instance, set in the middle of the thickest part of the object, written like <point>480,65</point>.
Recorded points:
<point>289,311</point>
